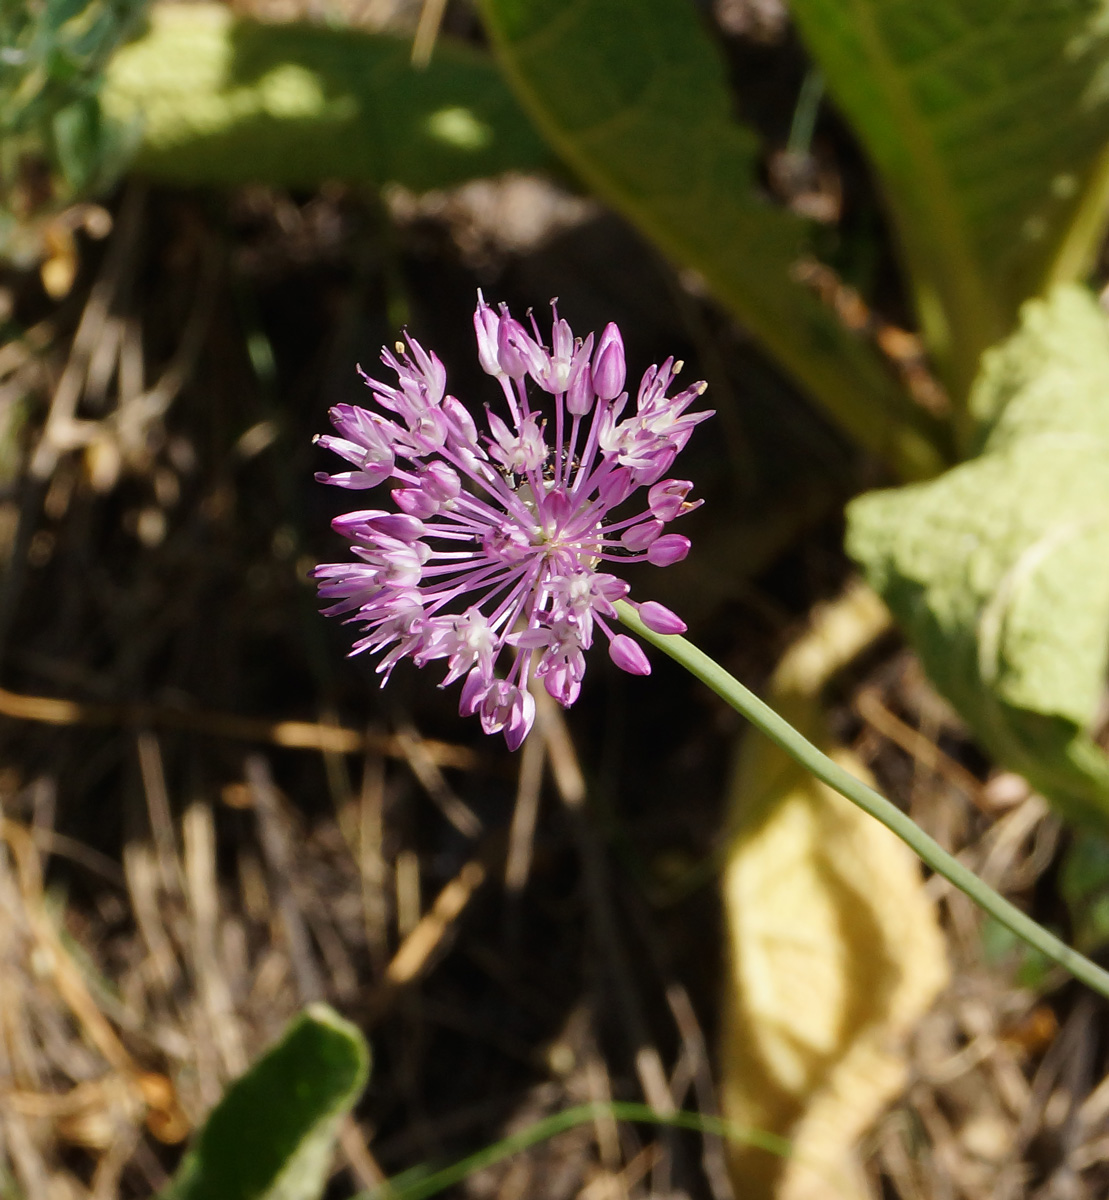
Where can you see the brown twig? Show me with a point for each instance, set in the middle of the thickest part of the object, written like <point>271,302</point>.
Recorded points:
<point>202,891</point>
<point>417,948</point>
<point>155,1091</point>
<point>693,1042</point>
<point>521,835</point>
<point>279,859</point>
<point>442,795</point>
<point>158,809</point>
<point>290,735</point>
<point>923,749</point>
<point>571,787</point>
<point>359,1158</point>
<point>427,31</point>
<point>58,434</point>
<point>371,858</point>
<point>63,846</point>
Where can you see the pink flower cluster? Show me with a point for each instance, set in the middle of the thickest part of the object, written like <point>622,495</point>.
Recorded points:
<point>499,539</point>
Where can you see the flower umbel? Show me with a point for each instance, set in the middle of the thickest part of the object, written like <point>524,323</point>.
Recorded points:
<point>500,540</point>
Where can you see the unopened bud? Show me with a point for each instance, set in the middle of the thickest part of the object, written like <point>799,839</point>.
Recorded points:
<point>658,618</point>
<point>609,369</point>
<point>628,655</point>
<point>669,549</point>
<point>486,324</point>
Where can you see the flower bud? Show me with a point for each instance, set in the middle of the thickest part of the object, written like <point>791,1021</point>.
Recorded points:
<point>580,394</point>
<point>579,388</point>
<point>505,707</point>
<point>628,655</point>
<point>459,421</point>
<point>562,685</point>
<point>608,364</point>
<point>555,375</point>
<point>355,524</point>
<point>440,481</point>
<point>670,548</point>
<point>516,352</point>
<point>486,324</point>
<point>398,525</point>
<point>617,487</point>
<point>658,618</point>
<point>640,537</point>
<point>415,502</point>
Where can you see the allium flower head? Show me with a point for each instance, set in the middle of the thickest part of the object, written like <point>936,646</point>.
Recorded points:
<point>499,545</point>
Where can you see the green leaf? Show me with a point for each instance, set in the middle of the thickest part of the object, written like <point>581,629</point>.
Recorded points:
<point>999,570</point>
<point>227,101</point>
<point>634,97</point>
<point>1084,885</point>
<point>1001,947</point>
<point>272,1134</point>
<point>51,67</point>
<point>77,143</point>
<point>987,121</point>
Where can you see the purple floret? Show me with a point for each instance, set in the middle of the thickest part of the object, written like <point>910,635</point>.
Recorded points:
<point>499,540</point>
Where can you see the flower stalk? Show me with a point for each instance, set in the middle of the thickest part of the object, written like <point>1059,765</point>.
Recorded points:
<point>497,544</point>
<point>775,727</point>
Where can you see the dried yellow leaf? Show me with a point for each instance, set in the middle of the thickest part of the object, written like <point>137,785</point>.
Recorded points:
<point>834,949</point>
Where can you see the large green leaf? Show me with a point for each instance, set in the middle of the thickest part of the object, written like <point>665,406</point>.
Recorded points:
<point>634,97</point>
<point>999,569</point>
<point>271,1136</point>
<point>987,121</point>
<point>223,100</point>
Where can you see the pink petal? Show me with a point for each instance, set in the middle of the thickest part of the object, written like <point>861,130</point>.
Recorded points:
<point>616,487</point>
<point>579,390</point>
<point>665,499</point>
<point>473,692</point>
<point>561,684</point>
<point>520,723</point>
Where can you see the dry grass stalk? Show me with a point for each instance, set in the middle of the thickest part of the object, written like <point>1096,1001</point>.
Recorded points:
<point>291,735</point>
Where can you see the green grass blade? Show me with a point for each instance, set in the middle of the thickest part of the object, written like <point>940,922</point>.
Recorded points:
<point>418,1185</point>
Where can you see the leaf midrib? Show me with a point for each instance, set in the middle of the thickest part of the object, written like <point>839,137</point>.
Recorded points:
<point>967,299</point>
<point>853,386</point>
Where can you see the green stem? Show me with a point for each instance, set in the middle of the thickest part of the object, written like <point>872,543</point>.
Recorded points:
<point>804,752</point>
<point>415,1185</point>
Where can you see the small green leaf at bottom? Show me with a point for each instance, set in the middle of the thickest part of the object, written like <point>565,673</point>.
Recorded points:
<point>272,1134</point>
